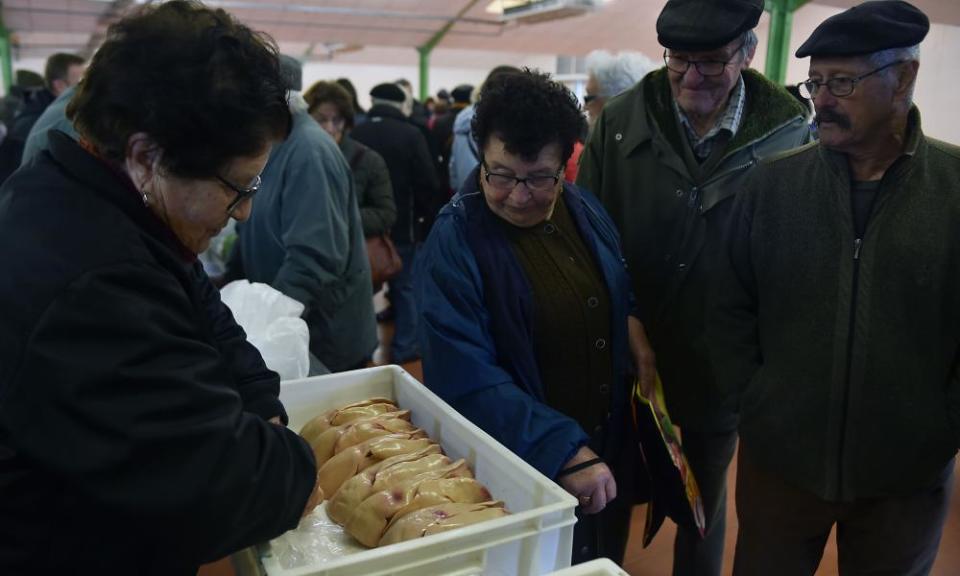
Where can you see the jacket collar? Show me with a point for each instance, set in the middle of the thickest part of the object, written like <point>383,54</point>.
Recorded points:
<point>109,181</point>
<point>385,111</point>
<point>767,108</point>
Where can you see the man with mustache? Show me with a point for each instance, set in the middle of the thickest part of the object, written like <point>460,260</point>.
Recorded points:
<point>838,317</point>
<point>666,158</point>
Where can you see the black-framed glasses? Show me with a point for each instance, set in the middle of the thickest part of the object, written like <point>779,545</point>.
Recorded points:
<point>242,193</point>
<point>704,67</point>
<point>507,182</point>
<point>841,86</point>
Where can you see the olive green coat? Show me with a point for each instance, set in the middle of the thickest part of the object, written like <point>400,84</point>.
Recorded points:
<point>671,220</point>
<point>845,351</point>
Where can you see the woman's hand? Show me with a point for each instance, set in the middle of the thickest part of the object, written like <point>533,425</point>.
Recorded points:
<point>593,486</point>
<point>643,355</point>
<point>316,497</point>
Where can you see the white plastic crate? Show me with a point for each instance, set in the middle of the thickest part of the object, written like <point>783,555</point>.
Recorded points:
<point>536,538</point>
<point>599,567</point>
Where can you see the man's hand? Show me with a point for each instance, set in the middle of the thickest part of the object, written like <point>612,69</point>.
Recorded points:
<point>643,355</point>
<point>276,420</point>
<point>593,486</point>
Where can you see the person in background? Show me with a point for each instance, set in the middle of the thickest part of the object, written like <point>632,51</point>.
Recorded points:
<point>134,415</point>
<point>53,118</point>
<point>305,239</point>
<point>442,132</point>
<point>60,73</point>
<point>464,155</point>
<point>329,104</point>
<point>530,327</point>
<point>610,74</point>
<point>666,158</point>
<point>836,317</point>
<point>443,104</point>
<point>359,114</point>
<point>415,189</point>
<point>418,111</point>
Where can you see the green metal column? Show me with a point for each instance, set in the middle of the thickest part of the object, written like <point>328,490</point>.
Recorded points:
<point>6,57</point>
<point>427,48</point>
<point>424,71</point>
<point>778,41</point>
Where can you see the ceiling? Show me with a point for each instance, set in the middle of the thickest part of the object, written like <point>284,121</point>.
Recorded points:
<point>313,29</point>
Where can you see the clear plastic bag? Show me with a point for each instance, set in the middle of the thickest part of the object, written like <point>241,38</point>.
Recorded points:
<point>273,324</point>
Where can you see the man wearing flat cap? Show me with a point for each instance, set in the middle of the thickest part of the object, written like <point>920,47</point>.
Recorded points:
<point>667,157</point>
<point>838,317</point>
<point>415,189</point>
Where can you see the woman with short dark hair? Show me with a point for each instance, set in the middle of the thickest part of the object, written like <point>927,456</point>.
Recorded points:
<point>526,318</point>
<point>139,431</point>
<point>329,104</point>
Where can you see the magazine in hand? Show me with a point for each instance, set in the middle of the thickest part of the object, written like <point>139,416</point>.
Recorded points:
<point>674,490</point>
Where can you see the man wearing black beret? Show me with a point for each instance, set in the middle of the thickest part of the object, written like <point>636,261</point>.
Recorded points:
<point>666,158</point>
<point>416,187</point>
<point>838,317</point>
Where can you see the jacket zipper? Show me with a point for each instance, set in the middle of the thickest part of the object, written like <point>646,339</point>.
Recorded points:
<point>857,247</point>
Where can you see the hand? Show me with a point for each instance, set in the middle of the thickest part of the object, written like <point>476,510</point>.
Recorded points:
<point>276,420</point>
<point>594,487</point>
<point>316,497</point>
<point>643,355</point>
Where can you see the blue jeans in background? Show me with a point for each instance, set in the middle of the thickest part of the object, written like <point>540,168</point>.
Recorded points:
<point>405,346</point>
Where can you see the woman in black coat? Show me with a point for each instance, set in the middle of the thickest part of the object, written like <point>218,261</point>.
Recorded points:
<point>329,104</point>
<point>139,431</point>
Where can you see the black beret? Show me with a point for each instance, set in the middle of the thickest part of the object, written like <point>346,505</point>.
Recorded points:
<point>866,28</point>
<point>462,93</point>
<point>701,25</point>
<point>388,91</point>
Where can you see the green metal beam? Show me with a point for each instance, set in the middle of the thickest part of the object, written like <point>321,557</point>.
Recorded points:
<point>6,57</point>
<point>430,44</point>
<point>778,40</point>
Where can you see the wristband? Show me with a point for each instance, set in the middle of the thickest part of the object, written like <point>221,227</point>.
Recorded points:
<point>578,467</point>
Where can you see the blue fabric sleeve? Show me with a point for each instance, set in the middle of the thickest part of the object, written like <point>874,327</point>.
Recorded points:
<point>460,358</point>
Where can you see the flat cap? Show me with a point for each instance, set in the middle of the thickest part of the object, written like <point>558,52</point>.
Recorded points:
<point>292,72</point>
<point>701,25</point>
<point>462,93</point>
<point>866,28</point>
<point>388,91</point>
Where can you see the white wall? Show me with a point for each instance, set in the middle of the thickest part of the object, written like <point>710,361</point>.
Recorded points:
<point>937,84</point>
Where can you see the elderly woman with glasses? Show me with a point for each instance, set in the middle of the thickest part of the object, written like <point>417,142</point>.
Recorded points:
<point>526,324</point>
<point>139,430</point>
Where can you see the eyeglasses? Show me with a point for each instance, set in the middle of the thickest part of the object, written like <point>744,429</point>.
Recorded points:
<point>704,67</point>
<point>533,183</point>
<point>242,193</point>
<point>588,98</point>
<point>841,86</point>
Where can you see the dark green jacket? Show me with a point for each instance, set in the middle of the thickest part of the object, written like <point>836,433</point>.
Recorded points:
<point>672,221</point>
<point>846,353</point>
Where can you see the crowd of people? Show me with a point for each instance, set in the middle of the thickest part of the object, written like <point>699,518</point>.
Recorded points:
<point>792,283</point>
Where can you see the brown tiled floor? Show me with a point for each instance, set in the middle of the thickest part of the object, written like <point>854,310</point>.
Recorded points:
<point>656,560</point>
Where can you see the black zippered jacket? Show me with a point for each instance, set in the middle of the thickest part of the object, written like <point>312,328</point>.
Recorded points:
<point>133,432</point>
